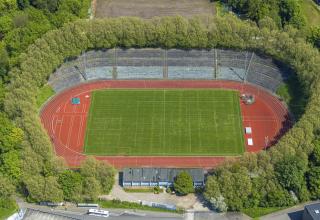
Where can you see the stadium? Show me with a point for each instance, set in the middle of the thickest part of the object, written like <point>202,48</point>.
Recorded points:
<point>165,107</point>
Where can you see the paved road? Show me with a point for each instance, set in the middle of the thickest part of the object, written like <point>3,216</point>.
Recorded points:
<point>115,214</point>
<point>292,213</point>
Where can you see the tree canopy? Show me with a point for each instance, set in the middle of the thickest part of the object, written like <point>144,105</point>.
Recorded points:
<point>183,183</point>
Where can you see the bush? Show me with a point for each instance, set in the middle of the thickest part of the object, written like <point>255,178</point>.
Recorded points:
<point>183,183</point>
<point>156,190</point>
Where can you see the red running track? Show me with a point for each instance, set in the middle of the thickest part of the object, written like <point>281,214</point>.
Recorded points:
<point>66,123</point>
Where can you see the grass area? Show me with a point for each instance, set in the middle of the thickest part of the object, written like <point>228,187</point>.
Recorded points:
<point>292,93</point>
<point>260,211</point>
<point>7,208</point>
<point>311,12</point>
<point>117,204</point>
<point>164,122</point>
<point>5,213</point>
<point>44,94</point>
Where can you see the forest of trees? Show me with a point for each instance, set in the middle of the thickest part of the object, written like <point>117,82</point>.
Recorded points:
<point>284,175</point>
<point>281,12</point>
<point>31,48</point>
<point>21,23</point>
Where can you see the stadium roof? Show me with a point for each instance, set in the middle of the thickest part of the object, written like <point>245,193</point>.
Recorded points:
<point>159,174</point>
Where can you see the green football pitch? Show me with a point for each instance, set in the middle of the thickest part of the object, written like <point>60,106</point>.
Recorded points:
<point>164,122</point>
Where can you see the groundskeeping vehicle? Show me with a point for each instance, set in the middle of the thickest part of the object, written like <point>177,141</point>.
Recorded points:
<point>99,213</point>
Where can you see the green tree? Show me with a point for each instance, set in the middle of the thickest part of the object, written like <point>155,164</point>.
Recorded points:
<point>10,136</point>
<point>6,25</point>
<point>50,5</point>
<point>105,175</point>
<point>314,182</point>
<point>290,12</point>
<point>315,156</point>
<point>71,184</point>
<point>91,189</point>
<point>314,36</point>
<point>4,62</point>
<point>51,190</point>
<point>212,189</point>
<point>10,165</point>
<point>7,5</point>
<point>183,183</point>
<point>276,196</point>
<point>290,172</point>
<point>6,187</point>
<point>100,171</point>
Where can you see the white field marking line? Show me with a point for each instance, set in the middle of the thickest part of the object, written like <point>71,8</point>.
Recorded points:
<point>89,122</point>
<point>199,120</point>
<point>151,141</point>
<point>190,141</point>
<point>215,126</point>
<point>135,133</point>
<point>120,132</point>
<point>235,140</point>
<point>164,118</point>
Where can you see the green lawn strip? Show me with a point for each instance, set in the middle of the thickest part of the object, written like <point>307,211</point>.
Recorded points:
<point>44,94</point>
<point>311,12</point>
<point>261,211</point>
<point>5,213</point>
<point>7,209</point>
<point>164,123</point>
<point>117,204</point>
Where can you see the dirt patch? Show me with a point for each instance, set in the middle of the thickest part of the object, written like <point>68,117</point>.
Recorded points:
<point>152,8</point>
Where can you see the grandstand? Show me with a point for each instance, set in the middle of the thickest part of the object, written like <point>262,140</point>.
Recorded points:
<point>155,63</point>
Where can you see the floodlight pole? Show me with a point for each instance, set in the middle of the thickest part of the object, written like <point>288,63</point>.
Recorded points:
<point>248,67</point>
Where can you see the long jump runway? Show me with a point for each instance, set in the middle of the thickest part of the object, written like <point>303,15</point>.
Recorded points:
<point>66,123</point>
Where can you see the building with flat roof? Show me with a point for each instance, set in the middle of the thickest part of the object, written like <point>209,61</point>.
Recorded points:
<point>311,212</point>
<point>149,177</point>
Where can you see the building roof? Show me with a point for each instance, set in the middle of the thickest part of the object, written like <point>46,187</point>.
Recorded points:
<point>313,210</point>
<point>159,174</point>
